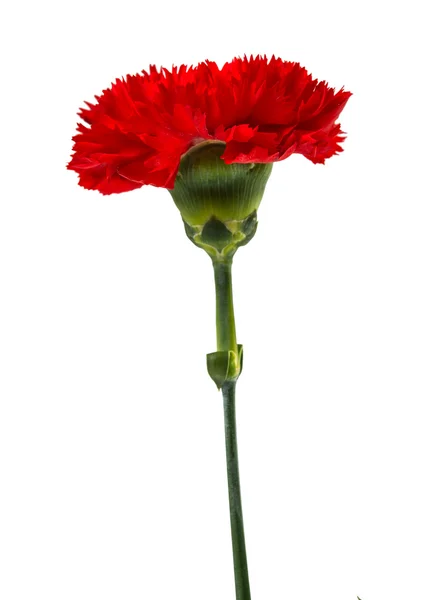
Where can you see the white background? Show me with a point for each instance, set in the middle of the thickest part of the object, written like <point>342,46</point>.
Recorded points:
<point>113,482</point>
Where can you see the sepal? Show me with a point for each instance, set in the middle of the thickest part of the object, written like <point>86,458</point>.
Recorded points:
<point>221,239</point>
<point>218,201</point>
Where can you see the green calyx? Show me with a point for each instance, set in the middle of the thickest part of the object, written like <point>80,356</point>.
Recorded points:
<point>218,202</point>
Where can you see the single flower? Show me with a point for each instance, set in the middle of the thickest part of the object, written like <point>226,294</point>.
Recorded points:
<point>210,136</point>
<point>262,110</point>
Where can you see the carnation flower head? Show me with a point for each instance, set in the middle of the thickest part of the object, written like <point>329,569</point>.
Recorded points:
<point>261,110</point>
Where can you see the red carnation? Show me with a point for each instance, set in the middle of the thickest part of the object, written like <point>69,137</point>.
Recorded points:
<point>264,110</point>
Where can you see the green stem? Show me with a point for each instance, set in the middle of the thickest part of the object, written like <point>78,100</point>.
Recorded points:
<point>225,325</point>
<point>226,340</point>
<point>234,492</point>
